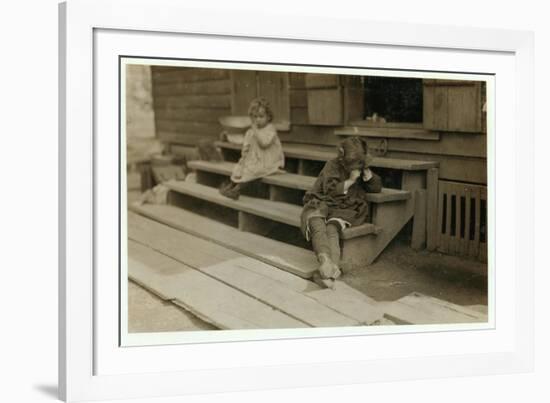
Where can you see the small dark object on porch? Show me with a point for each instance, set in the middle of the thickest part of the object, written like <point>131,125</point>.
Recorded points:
<point>208,151</point>
<point>231,190</point>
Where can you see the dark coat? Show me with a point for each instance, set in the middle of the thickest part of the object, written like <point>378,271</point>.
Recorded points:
<point>327,198</point>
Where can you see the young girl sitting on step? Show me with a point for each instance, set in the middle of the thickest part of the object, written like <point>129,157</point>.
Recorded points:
<point>262,153</point>
<point>336,201</point>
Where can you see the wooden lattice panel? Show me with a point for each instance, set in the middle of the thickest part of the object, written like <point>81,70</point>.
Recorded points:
<point>462,219</point>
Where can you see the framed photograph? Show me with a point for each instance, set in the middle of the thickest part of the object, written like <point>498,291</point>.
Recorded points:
<point>243,208</point>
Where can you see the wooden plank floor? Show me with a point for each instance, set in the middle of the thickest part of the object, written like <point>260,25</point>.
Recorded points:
<point>179,267</point>
<point>286,292</point>
<point>421,309</point>
<point>221,305</point>
<point>350,302</point>
<point>343,298</point>
<point>287,257</point>
<point>279,296</point>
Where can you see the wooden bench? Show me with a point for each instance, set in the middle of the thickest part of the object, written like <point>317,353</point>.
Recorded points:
<point>293,181</point>
<point>280,212</point>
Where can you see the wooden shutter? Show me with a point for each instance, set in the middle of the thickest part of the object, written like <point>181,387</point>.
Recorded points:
<point>298,99</point>
<point>274,87</point>
<point>451,105</point>
<point>249,84</point>
<point>244,89</point>
<point>354,98</point>
<point>325,99</point>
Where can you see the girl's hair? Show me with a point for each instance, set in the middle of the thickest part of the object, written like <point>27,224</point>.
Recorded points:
<point>352,151</point>
<point>258,103</point>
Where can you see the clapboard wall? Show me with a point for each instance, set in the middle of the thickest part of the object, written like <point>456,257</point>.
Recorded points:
<point>189,101</point>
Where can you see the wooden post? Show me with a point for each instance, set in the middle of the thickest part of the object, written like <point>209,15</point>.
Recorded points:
<point>442,230</point>
<point>468,211</point>
<point>418,240</point>
<point>146,176</point>
<point>432,180</point>
<point>413,180</point>
<point>301,167</point>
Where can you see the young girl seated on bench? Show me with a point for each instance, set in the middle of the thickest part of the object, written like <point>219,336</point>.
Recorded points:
<point>262,153</point>
<point>336,201</point>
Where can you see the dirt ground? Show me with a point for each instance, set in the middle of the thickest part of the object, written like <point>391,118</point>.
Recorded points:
<point>400,270</point>
<point>149,313</point>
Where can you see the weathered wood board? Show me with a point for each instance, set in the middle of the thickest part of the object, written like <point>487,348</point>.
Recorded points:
<point>222,306</point>
<point>211,87</point>
<point>276,211</point>
<point>344,299</point>
<point>319,153</point>
<point>294,181</point>
<point>277,295</point>
<point>421,309</point>
<point>194,101</point>
<point>287,257</point>
<point>432,234</point>
<point>164,74</point>
<point>418,240</point>
<point>176,244</point>
<point>350,302</point>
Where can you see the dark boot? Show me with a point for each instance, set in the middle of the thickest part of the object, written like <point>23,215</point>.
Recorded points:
<point>225,185</point>
<point>233,192</point>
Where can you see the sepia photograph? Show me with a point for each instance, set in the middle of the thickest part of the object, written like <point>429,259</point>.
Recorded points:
<point>295,197</point>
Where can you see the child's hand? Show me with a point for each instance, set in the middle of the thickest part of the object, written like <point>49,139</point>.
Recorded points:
<point>367,175</point>
<point>354,174</point>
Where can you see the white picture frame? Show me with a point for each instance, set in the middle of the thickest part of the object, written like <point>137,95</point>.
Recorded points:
<point>91,363</point>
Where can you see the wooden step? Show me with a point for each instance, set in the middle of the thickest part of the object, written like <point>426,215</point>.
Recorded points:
<point>387,132</point>
<point>285,292</point>
<point>272,210</point>
<point>292,259</point>
<point>320,153</point>
<point>209,299</point>
<point>390,218</point>
<point>419,309</point>
<point>294,181</point>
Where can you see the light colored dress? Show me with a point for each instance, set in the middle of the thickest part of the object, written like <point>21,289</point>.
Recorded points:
<point>261,155</point>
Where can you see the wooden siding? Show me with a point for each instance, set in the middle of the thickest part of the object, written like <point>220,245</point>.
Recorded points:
<point>462,156</point>
<point>189,101</point>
